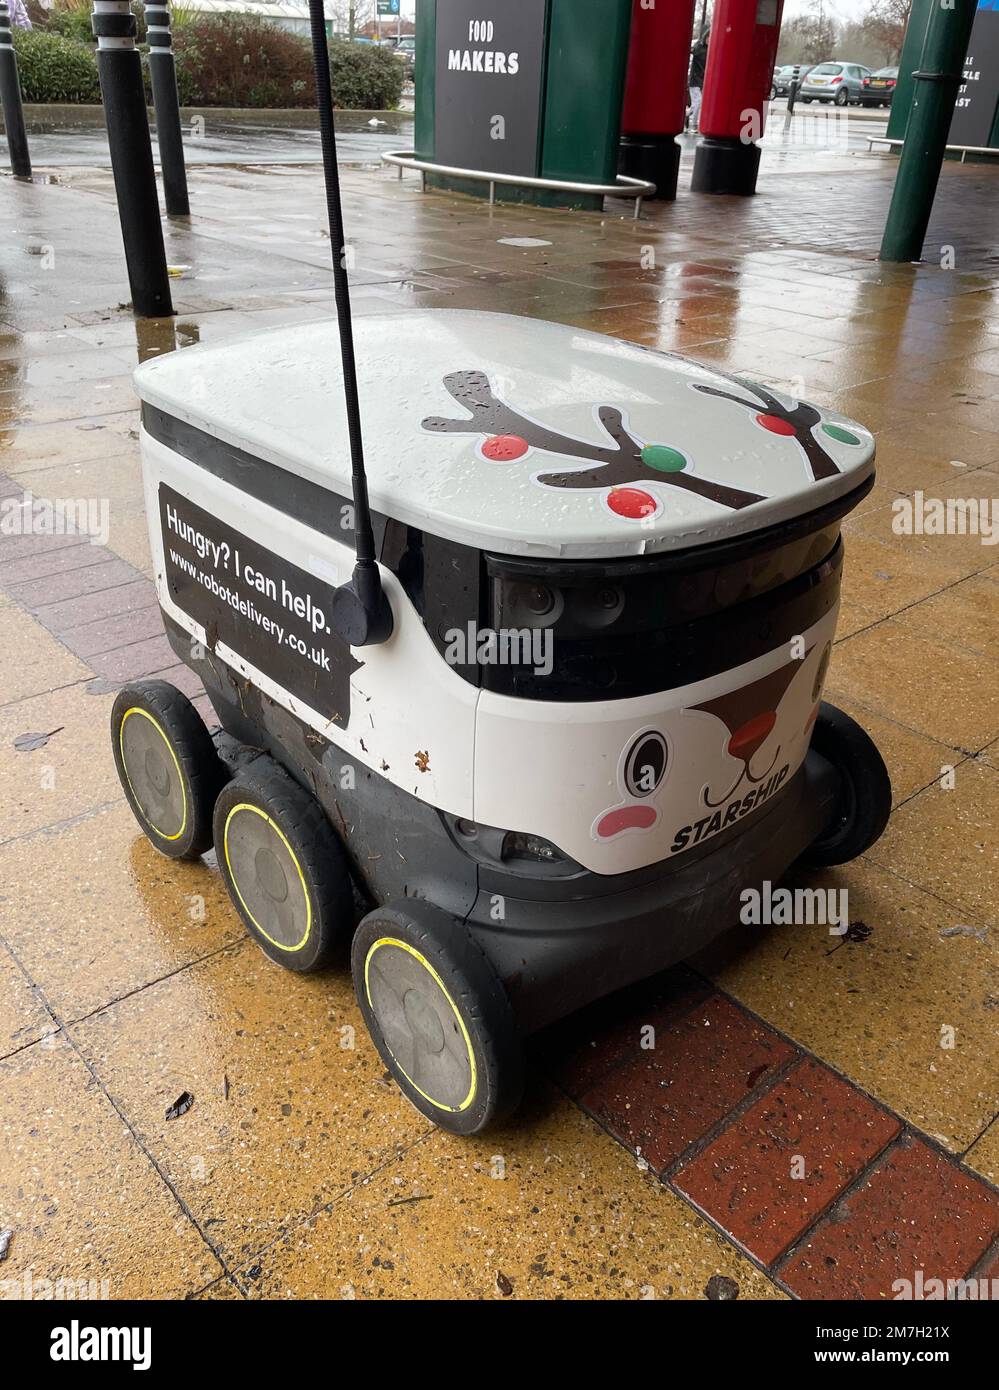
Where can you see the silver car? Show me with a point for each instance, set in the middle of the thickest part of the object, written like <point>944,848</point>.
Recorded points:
<point>837,82</point>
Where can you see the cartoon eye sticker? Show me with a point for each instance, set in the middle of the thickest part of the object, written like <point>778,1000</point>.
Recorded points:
<point>641,771</point>
<point>645,764</point>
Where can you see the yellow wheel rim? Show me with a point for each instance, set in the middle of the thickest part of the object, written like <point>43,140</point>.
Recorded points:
<point>138,710</point>
<point>422,960</point>
<point>256,811</point>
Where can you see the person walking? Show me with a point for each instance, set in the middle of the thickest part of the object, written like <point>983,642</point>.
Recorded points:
<point>698,62</point>
<point>18,14</point>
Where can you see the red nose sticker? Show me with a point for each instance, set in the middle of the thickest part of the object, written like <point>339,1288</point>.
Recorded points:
<point>745,741</point>
<point>626,818</point>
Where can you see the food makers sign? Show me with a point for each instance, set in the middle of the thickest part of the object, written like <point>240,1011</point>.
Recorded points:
<point>489,64</point>
<point>975,107</point>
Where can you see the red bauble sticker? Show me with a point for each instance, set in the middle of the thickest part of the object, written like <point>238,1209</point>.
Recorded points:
<point>632,503</point>
<point>775,424</point>
<point>505,448</point>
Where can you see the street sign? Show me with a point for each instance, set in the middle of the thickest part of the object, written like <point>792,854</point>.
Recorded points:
<point>389,6</point>
<point>490,65</point>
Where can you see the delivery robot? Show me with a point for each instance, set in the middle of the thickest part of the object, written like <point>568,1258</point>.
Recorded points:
<point>515,709</point>
<point>611,579</point>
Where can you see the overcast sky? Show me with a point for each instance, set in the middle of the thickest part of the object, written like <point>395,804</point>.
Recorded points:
<point>842,9</point>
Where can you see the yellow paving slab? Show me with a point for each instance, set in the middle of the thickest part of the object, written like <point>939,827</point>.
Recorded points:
<point>35,447</point>
<point>946,840</point>
<point>33,660</point>
<point>931,685</point>
<point>551,1209</point>
<point>943,434</point>
<point>968,613</point>
<point>72,773</point>
<point>304,1118</point>
<point>94,912</point>
<point>913,760</point>
<point>964,554</point>
<point>875,1009</point>
<point>81,1197</point>
<point>114,482</point>
<point>984,1155</point>
<point>882,578</point>
<point>23,1018</point>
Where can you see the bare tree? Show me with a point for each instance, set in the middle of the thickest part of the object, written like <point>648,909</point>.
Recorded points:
<point>350,16</point>
<point>886,23</point>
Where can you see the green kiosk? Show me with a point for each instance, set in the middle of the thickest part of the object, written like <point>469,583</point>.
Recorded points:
<point>520,100</point>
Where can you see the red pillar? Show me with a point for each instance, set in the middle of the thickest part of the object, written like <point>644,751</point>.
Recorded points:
<point>655,97</point>
<point>744,35</point>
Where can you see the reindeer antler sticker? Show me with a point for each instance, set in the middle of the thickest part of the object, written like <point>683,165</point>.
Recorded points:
<point>796,423</point>
<point>509,436</point>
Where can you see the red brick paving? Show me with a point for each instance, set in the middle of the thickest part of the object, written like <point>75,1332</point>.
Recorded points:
<point>118,602</point>
<point>700,1069</point>
<point>744,1180</point>
<point>916,1211</point>
<point>584,1048</point>
<point>100,607</point>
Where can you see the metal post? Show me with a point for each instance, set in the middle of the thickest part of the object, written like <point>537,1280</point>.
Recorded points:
<point>163,79</point>
<point>940,73</point>
<point>10,96</point>
<point>120,71</point>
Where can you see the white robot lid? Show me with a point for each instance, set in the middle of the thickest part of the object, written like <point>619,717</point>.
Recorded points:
<point>520,436</point>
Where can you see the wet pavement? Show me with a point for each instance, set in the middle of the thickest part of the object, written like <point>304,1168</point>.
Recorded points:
<point>810,138</point>
<point>126,979</point>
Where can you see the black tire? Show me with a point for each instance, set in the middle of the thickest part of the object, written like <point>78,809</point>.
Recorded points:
<point>435,1008</point>
<point>807,100</point>
<point>842,98</point>
<point>167,765</point>
<point>284,868</point>
<point>865,796</point>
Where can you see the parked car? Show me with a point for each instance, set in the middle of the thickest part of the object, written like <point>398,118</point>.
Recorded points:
<point>783,77</point>
<point>879,87</point>
<point>405,51</point>
<point>836,82</point>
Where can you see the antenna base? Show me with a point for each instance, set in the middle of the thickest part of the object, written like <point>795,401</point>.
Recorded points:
<point>361,614</point>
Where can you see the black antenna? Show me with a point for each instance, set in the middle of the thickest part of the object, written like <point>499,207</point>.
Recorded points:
<point>361,613</point>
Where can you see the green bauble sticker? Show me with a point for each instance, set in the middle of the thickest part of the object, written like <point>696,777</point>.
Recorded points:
<point>838,432</point>
<point>663,459</point>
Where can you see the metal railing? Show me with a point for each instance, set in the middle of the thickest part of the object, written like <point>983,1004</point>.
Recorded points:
<point>873,140</point>
<point>623,187</point>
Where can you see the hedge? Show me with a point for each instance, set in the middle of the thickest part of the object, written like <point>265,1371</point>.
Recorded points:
<point>241,60</point>
<point>231,60</point>
<point>52,68</point>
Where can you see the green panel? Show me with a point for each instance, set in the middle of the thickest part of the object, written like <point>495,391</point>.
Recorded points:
<point>912,48</point>
<point>994,133</point>
<point>426,78</point>
<point>587,62</point>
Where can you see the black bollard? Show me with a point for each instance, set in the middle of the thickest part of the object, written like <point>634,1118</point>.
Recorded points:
<point>163,79</point>
<point>10,96</point>
<point>120,71</point>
